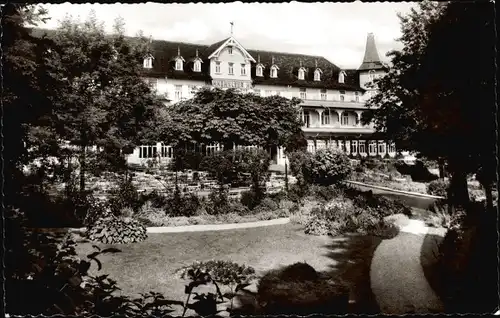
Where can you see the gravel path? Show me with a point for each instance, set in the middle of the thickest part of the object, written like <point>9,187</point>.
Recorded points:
<point>397,277</point>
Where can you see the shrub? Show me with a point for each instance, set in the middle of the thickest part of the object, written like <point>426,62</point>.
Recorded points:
<point>267,204</point>
<point>329,166</point>
<point>299,290</point>
<point>318,226</point>
<point>126,195</point>
<point>218,202</point>
<point>468,265</point>
<point>114,230</point>
<point>178,204</point>
<point>249,199</point>
<point>438,187</point>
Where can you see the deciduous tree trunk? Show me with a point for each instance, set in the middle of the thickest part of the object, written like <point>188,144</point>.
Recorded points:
<point>83,167</point>
<point>458,185</point>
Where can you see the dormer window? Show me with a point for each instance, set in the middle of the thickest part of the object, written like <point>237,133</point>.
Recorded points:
<point>341,77</point>
<point>178,65</point>
<point>197,66</point>
<point>301,74</point>
<point>148,62</point>
<point>258,70</point>
<point>317,75</point>
<point>274,71</point>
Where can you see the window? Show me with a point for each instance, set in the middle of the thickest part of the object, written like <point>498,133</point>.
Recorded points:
<point>317,75</point>
<point>217,67</point>
<point>371,75</point>
<point>147,152</point>
<point>192,89</point>
<point>392,148</point>
<point>325,117</point>
<point>372,147</point>
<point>243,69</point>
<point>381,147</point>
<point>342,97</point>
<point>303,93</point>
<point>354,146</point>
<point>307,118</point>
<point>197,66</point>
<point>362,146</point>
<point>231,68</point>
<point>341,77</point>
<point>166,151</point>
<point>230,50</point>
<point>148,62</point>
<point>256,91</point>
<point>258,70</point>
<point>178,65</point>
<point>345,118</point>
<point>323,94</point>
<point>274,72</point>
<point>301,74</point>
<point>178,92</point>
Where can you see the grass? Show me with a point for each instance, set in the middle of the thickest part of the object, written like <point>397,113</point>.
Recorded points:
<point>150,265</point>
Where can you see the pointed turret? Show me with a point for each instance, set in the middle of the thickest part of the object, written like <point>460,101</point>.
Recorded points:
<point>371,61</point>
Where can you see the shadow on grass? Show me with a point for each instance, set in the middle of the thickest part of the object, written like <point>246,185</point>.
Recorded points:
<point>429,258</point>
<point>353,255</point>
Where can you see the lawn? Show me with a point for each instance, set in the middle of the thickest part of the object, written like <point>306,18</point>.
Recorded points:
<point>150,265</point>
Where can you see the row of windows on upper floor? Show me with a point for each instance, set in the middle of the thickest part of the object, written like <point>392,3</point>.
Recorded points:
<point>259,70</point>
<point>302,94</point>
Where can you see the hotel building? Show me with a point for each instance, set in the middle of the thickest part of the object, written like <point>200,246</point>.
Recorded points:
<point>333,99</point>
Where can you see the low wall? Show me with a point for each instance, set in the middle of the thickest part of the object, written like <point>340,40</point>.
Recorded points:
<point>416,200</point>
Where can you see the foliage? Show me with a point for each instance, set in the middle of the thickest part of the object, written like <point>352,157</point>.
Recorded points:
<point>114,230</point>
<point>427,104</point>
<point>256,163</point>
<point>438,187</point>
<point>267,204</point>
<point>45,268</point>
<point>178,204</point>
<point>467,265</point>
<point>218,202</point>
<point>226,273</point>
<point>234,118</point>
<point>300,162</point>
<point>299,290</point>
<point>124,196</point>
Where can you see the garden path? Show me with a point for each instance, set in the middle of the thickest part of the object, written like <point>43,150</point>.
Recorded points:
<point>397,278</point>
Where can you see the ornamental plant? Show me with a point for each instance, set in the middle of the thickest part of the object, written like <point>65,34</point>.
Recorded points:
<point>235,276</point>
<point>329,166</point>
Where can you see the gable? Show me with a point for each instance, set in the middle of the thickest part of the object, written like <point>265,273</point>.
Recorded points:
<point>231,42</point>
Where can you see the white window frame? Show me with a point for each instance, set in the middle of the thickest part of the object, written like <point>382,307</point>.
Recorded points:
<point>217,67</point>
<point>354,146</point>
<point>303,93</point>
<point>274,72</point>
<point>317,75</point>
<point>197,66</point>
<point>178,65</point>
<point>325,117</point>
<point>230,68</point>
<point>148,62</point>
<point>178,92</point>
<point>243,69</point>
<point>147,151</point>
<point>362,147</point>
<point>230,50</point>
<point>258,71</point>
<point>323,94</point>
<point>372,147</point>
<point>381,148</point>
<point>301,74</point>
<point>344,119</point>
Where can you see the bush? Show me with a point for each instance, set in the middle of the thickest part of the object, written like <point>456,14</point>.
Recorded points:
<point>438,187</point>
<point>267,204</point>
<point>126,195</point>
<point>299,290</point>
<point>114,230</point>
<point>468,265</point>
<point>249,199</point>
<point>329,166</point>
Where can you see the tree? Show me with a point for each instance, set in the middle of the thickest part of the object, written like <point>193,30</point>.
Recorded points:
<point>100,98</point>
<point>231,118</point>
<point>23,101</point>
<point>428,100</point>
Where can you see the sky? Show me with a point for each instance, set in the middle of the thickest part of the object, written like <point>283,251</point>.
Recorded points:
<point>336,31</point>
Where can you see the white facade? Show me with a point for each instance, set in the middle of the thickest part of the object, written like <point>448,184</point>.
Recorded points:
<point>331,116</point>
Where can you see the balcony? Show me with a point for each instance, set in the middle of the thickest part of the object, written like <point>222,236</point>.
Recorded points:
<point>337,128</point>
<point>346,104</point>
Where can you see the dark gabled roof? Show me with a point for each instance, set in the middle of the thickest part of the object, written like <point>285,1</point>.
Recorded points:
<point>211,48</point>
<point>288,64</point>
